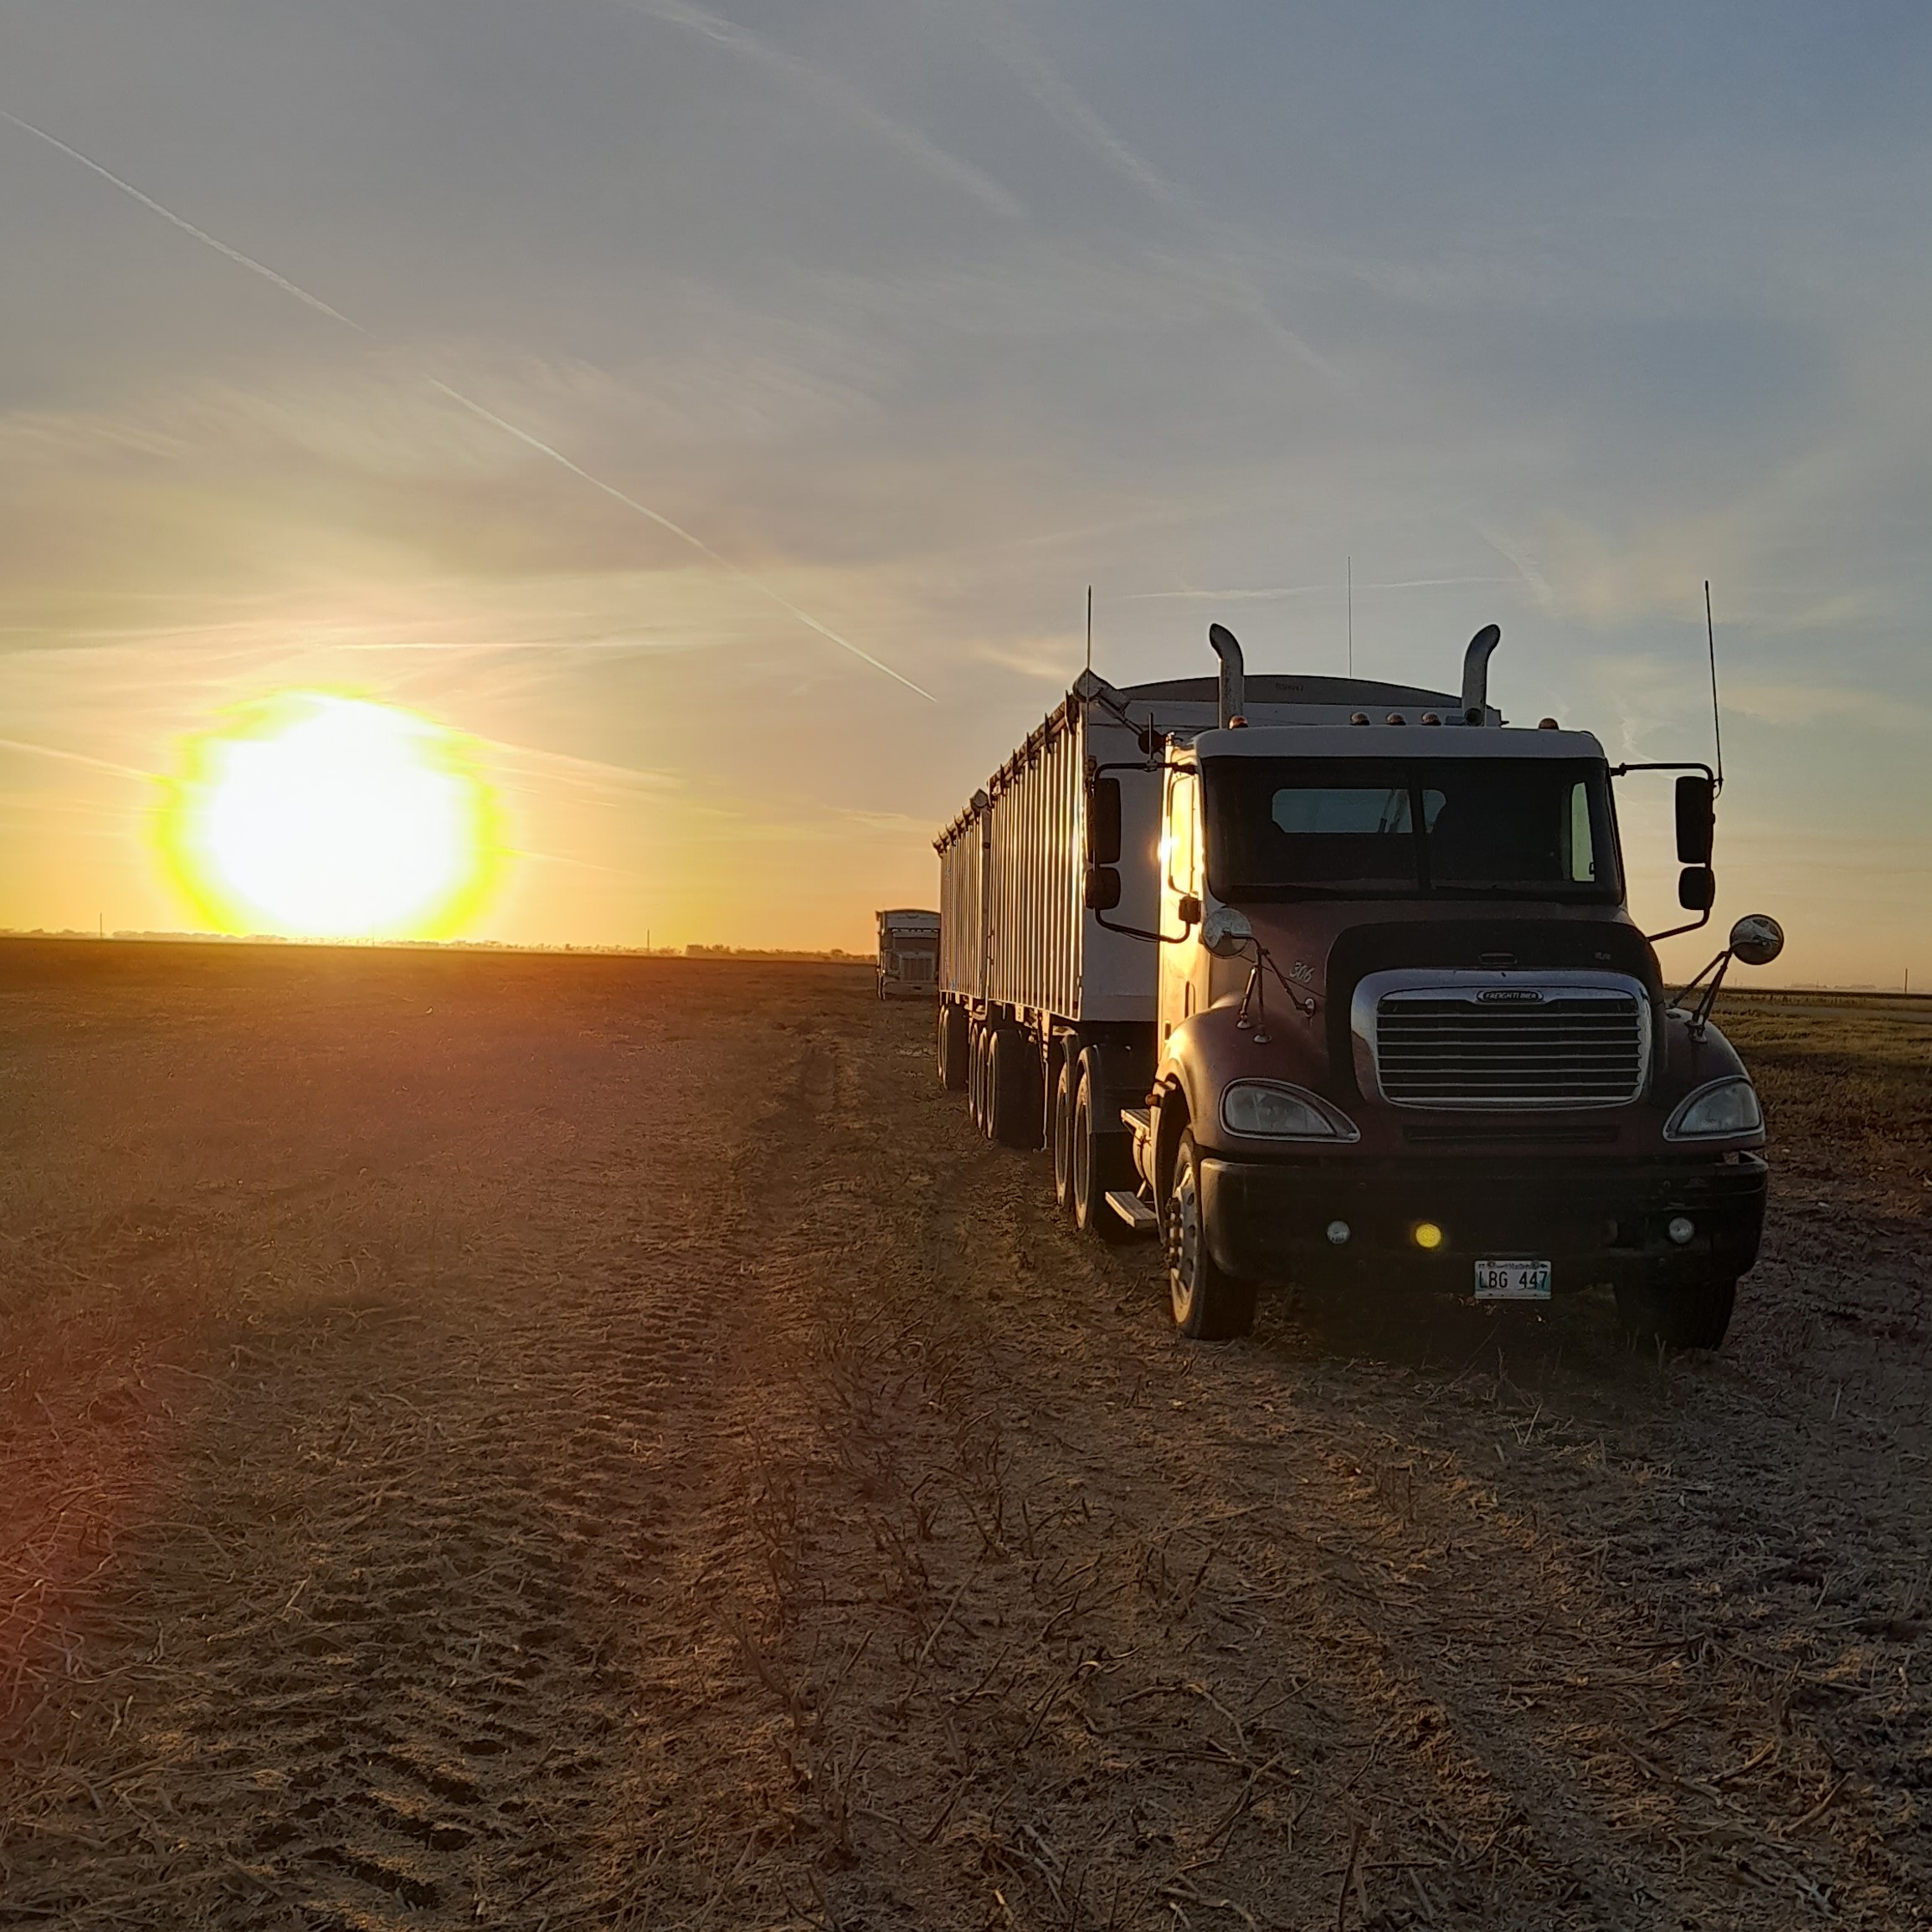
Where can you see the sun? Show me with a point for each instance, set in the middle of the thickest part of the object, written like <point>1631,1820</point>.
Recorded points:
<point>323,816</point>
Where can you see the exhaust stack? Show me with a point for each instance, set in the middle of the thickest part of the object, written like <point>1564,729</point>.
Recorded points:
<point>1476,673</point>
<point>1226,646</point>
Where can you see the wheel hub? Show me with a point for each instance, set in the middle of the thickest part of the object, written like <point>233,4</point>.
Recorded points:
<point>1184,1237</point>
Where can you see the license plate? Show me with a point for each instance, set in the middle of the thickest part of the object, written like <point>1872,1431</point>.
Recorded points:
<point>1512,1280</point>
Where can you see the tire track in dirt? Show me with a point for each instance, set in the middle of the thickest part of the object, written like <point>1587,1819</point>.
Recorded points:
<point>430,1624</point>
<point>1124,1630</point>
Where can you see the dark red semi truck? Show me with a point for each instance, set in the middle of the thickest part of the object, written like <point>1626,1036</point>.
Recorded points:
<point>1332,982</point>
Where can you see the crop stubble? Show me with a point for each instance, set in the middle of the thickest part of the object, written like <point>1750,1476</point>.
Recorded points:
<point>618,1451</point>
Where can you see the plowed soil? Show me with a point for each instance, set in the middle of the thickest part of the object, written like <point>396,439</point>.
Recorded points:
<point>548,1442</point>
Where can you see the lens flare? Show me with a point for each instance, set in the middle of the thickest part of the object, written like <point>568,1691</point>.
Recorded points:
<point>320,816</point>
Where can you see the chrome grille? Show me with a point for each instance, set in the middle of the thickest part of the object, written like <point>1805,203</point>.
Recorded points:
<point>1578,1047</point>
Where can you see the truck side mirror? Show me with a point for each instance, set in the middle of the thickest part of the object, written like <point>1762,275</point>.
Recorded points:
<point>1696,888</point>
<point>1104,822</point>
<point>1696,823</point>
<point>1103,888</point>
<point>1757,939</point>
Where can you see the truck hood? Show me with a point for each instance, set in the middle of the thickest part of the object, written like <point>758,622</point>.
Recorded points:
<point>1324,948</point>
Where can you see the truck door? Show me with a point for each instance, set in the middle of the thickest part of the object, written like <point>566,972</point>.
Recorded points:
<point>1181,868</point>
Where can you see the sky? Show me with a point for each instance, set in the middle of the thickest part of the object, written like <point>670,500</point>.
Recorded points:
<point>717,414</point>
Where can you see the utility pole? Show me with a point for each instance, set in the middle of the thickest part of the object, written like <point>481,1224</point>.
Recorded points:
<point>1351,569</point>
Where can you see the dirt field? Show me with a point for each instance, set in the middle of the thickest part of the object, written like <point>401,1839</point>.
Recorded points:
<point>552,1442</point>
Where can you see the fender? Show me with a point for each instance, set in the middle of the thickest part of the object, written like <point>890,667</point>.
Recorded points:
<point>1691,1060</point>
<point>1208,1051</point>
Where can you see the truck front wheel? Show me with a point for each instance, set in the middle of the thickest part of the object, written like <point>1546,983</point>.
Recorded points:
<point>1209,1304</point>
<point>1680,1315</point>
<point>1059,1129</point>
<point>1099,1161</point>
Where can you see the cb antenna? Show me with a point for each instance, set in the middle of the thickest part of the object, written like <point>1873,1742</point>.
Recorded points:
<point>1089,627</point>
<point>1717,725</point>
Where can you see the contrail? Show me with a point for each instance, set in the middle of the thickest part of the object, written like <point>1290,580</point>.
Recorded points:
<point>71,758</point>
<point>281,282</point>
<point>833,91</point>
<point>1065,104</point>
<point>476,409</point>
<point>697,543</point>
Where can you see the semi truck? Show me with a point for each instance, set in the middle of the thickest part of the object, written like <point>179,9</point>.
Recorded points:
<point>1333,983</point>
<point>908,952</point>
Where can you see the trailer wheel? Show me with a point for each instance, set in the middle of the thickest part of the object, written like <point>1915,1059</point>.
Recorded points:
<point>1060,1130</point>
<point>1099,1160</point>
<point>1013,1087</point>
<point>977,1043</point>
<point>1209,1304</point>
<point>1688,1315</point>
<point>952,1030</point>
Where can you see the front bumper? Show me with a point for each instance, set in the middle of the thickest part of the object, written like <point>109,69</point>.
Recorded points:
<point>1593,1221</point>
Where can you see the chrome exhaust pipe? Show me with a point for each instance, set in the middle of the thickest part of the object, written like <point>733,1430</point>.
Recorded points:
<point>1226,646</point>
<point>1476,673</point>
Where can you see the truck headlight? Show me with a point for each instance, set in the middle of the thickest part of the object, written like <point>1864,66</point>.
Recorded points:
<point>1720,1111</point>
<point>1269,1110</point>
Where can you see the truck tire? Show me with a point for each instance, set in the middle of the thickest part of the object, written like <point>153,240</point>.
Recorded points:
<point>1099,1160</point>
<point>951,1031</point>
<point>1013,1089</point>
<point>1060,1130</point>
<point>977,1042</point>
<point>1680,1315</point>
<point>1209,1304</point>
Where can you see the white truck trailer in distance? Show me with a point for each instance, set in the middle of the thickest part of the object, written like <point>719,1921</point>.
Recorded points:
<point>1331,981</point>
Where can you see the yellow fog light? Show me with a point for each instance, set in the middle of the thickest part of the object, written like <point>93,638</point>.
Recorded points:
<point>1426,1236</point>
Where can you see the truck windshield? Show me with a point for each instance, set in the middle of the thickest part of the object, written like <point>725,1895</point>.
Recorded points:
<point>1382,828</point>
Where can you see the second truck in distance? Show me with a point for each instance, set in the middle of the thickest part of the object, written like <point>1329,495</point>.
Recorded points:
<point>1330,981</point>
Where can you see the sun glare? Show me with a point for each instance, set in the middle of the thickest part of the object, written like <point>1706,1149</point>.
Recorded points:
<point>327,817</point>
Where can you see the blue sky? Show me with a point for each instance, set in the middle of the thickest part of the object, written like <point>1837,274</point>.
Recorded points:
<point>925,316</point>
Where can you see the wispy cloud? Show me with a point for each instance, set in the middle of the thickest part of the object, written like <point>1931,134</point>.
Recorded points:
<point>596,772</point>
<point>483,412</point>
<point>1336,587</point>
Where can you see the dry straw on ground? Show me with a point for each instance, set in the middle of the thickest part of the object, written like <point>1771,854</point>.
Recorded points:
<point>628,1456</point>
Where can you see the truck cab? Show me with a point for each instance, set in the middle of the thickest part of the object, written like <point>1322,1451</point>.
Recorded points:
<point>1408,1034</point>
<point>1339,986</point>
<point>908,952</point>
